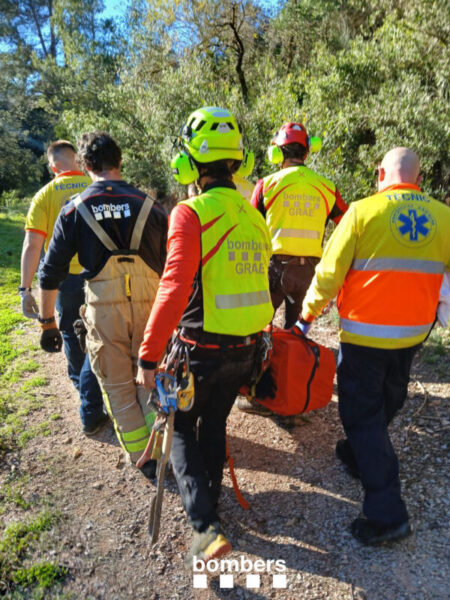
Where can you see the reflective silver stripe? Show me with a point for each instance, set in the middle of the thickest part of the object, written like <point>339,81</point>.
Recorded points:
<point>240,300</point>
<point>398,264</point>
<point>296,233</point>
<point>384,331</point>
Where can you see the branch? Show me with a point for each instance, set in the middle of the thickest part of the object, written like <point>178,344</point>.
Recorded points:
<point>38,27</point>
<point>240,51</point>
<point>52,29</point>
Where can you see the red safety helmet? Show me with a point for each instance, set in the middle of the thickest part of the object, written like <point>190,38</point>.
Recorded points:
<point>291,133</point>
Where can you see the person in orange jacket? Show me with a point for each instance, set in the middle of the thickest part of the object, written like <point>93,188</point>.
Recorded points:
<point>386,262</point>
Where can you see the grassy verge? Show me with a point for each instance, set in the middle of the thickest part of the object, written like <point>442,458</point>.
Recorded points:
<point>17,353</point>
<point>18,573</point>
<point>25,571</point>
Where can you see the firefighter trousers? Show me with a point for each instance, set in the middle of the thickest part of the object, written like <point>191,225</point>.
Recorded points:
<point>118,303</point>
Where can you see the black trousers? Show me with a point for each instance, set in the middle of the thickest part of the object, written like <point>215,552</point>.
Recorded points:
<point>372,387</point>
<point>198,455</point>
<point>289,281</point>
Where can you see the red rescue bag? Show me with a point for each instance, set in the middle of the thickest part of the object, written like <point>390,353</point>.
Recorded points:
<point>302,371</point>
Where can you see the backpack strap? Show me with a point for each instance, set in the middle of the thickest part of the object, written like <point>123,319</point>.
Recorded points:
<point>92,223</point>
<point>140,223</point>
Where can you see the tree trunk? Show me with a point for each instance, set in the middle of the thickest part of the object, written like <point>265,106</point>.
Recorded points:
<point>240,51</point>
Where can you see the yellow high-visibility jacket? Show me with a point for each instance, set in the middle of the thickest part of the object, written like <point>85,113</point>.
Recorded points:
<point>235,258</point>
<point>298,202</point>
<point>386,260</point>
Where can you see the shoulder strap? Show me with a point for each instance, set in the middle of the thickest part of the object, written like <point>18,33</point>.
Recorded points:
<point>140,223</point>
<point>92,223</point>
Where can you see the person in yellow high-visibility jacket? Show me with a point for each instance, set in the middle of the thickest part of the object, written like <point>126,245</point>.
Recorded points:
<point>386,262</point>
<point>215,288</point>
<point>297,204</point>
<point>39,224</point>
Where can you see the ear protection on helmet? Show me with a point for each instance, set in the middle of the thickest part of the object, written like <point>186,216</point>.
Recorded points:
<point>247,164</point>
<point>315,144</point>
<point>183,168</point>
<point>275,155</point>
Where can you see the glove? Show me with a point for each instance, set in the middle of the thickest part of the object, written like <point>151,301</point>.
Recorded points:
<point>29,306</point>
<point>51,340</point>
<point>303,326</point>
<point>80,331</point>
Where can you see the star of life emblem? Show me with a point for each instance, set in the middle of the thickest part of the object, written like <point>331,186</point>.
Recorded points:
<point>413,225</point>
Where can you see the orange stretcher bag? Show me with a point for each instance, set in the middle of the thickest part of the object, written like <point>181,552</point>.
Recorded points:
<point>301,371</point>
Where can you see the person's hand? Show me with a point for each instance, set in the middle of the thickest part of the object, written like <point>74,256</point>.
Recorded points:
<point>29,306</point>
<point>303,326</point>
<point>51,340</point>
<point>326,309</point>
<point>146,377</point>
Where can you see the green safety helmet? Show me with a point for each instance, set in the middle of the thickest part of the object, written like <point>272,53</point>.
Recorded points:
<point>210,134</point>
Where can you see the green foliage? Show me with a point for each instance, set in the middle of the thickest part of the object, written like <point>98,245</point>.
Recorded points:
<point>47,51</point>
<point>9,199</point>
<point>436,350</point>
<point>17,399</point>
<point>11,237</point>
<point>365,75</point>
<point>19,368</point>
<point>11,494</point>
<point>17,544</point>
<point>18,536</point>
<point>43,573</point>
<point>34,382</point>
<point>389,95</point>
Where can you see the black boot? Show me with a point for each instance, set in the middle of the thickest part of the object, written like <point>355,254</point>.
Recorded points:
<point>371,533</point>
<point>149,470</point>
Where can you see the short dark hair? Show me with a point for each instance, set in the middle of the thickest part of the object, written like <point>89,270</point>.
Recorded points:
<point>55,149</point>
<point>294,150</point>
<point>219,169</point>
<point>97,152</point>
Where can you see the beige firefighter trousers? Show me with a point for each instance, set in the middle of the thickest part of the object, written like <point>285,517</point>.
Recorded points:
<point>118,303</point>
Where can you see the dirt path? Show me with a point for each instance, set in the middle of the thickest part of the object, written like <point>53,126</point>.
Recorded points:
<point>301,505</point>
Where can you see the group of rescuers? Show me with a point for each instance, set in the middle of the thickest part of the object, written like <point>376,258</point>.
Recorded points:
<point>213,278</point>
